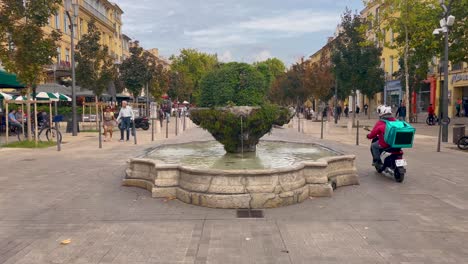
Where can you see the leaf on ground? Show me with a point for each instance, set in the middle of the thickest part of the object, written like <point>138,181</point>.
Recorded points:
<point>169,199</point>
<point>65,242</point>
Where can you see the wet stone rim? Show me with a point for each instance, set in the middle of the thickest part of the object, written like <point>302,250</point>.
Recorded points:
<point>265,188</point>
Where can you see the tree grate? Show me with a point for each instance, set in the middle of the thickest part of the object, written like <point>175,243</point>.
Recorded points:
<point>246,213</point>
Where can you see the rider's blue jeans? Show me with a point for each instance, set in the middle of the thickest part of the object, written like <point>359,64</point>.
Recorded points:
<point>376,150</point>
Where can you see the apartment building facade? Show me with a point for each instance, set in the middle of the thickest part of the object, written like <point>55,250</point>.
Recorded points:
<point>108,18</point>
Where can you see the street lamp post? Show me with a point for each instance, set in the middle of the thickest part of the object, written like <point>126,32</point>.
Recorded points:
<point>72,8</point>
<point>446,22</point>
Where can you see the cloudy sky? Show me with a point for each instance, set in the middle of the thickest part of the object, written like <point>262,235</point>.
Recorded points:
<point>236,30</point>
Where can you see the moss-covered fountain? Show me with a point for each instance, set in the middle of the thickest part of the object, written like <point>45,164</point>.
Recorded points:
<point>241,171</point>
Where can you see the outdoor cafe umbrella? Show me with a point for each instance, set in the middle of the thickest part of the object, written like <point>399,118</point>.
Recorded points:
<point>62,97</point>
<point>45,96</point>
<point>4,96</point>
<point>185,102</point>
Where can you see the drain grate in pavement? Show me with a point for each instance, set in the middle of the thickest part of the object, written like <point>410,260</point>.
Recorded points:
<point>246,213</point>
<point>28,160</point>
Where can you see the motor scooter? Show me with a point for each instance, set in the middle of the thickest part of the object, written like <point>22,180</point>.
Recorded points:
<point>393,164</point>
<point>141,122</point>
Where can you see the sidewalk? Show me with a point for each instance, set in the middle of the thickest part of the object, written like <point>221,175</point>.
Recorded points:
<point>343,132</point>
<point>48,196</point>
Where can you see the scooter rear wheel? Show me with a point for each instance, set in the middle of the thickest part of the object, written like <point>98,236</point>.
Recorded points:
<point>399,176</point>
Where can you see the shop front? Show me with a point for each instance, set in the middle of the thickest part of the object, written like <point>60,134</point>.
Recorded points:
<point>459,83</point>
<point>392,93</point>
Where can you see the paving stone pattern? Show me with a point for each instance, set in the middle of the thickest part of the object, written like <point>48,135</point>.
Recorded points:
<point>48,196</point>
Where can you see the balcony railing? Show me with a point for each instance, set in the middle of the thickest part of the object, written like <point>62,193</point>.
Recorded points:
<point>97,13</point>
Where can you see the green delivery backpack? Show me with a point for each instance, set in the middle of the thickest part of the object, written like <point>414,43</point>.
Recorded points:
<point>399,134</point>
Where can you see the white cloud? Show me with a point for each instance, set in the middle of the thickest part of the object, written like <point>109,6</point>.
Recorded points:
<point>280,26</point>
<point>304,21</point>
<point>263,55</point>
<point>226,56</point>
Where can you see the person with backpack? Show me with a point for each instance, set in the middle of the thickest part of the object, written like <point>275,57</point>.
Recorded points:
<point>346,111</point>
<point>385,113</point>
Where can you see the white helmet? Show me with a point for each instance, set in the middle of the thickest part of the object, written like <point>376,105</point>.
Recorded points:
<point>384,110</point>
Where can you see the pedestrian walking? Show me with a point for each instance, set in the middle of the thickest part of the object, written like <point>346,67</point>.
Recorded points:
<point>339,111</point>
<point>346,111</point>
<point>109,122</point>
<point>458,106</point>
<point>366,107</point>
<point>401,112</point>
<point>358,109</point>
<point>125,117</point>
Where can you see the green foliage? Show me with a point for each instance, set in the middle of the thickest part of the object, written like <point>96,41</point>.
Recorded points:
<point>134,71</point>
<point>159,81</point>
<point>95,68</point>
<point>458,37</point>
<point>226,126</point>
<point>28,49</point>
<point>271,69</point>
<point>239,83</point>
<point>30,144</point>
<point>356,62</point>
<point>193,65</point>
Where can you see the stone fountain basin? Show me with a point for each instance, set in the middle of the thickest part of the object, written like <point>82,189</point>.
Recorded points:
<point>259,188</point>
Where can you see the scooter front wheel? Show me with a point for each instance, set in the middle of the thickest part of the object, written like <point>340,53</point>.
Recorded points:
<point>399,175</point>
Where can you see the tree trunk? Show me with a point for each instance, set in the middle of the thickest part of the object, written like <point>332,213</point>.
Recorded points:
<point>28,110</point>
<point>407,99</point>
<point>97,113</point>
<point>354,108</point>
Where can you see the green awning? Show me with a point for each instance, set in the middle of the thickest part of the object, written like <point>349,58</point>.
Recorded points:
<point>8,80</point>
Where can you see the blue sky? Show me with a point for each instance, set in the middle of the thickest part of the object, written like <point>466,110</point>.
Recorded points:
<point>236,30</point>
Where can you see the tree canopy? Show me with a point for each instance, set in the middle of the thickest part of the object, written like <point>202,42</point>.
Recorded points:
<point>233,83</point>
<point>134,71</point>
<point>193,65</point>
<point>271,69</point>
<point>356,62</point>
<point>95,68</point>
<point>28,49</point>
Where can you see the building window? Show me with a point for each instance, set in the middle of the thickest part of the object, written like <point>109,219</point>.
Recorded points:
<point>67,55</point>
<point>391,67</point>
<point>457,66</point>
<point>392,36</point>
<point>59,55</point>
<point>65,23</point>
<point>81,27</point>
<point>382,64</point>
<point>57,21</point>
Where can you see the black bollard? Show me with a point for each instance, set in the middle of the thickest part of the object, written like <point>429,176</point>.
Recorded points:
<point>152,129</point>
<point>100,133</point>
<point>357,134</point>
<point>134,132</point>
<point>59,148</point>
<point>176,124</point>
<point>167,127</point>
<point>184,121</point>
<point>321,129</point>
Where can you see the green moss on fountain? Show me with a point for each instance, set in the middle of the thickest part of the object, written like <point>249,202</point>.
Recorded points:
<point>225,123</point>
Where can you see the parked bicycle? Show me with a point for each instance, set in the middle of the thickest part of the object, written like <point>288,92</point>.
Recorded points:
<point>16,131</point>
<point>463,143</point>
<point>435,120</point>
<point>51,133</point>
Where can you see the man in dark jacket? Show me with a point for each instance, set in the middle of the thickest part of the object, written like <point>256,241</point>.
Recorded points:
<point>401,112</point>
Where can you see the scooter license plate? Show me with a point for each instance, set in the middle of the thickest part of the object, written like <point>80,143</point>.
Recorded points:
<point>401,163</point>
